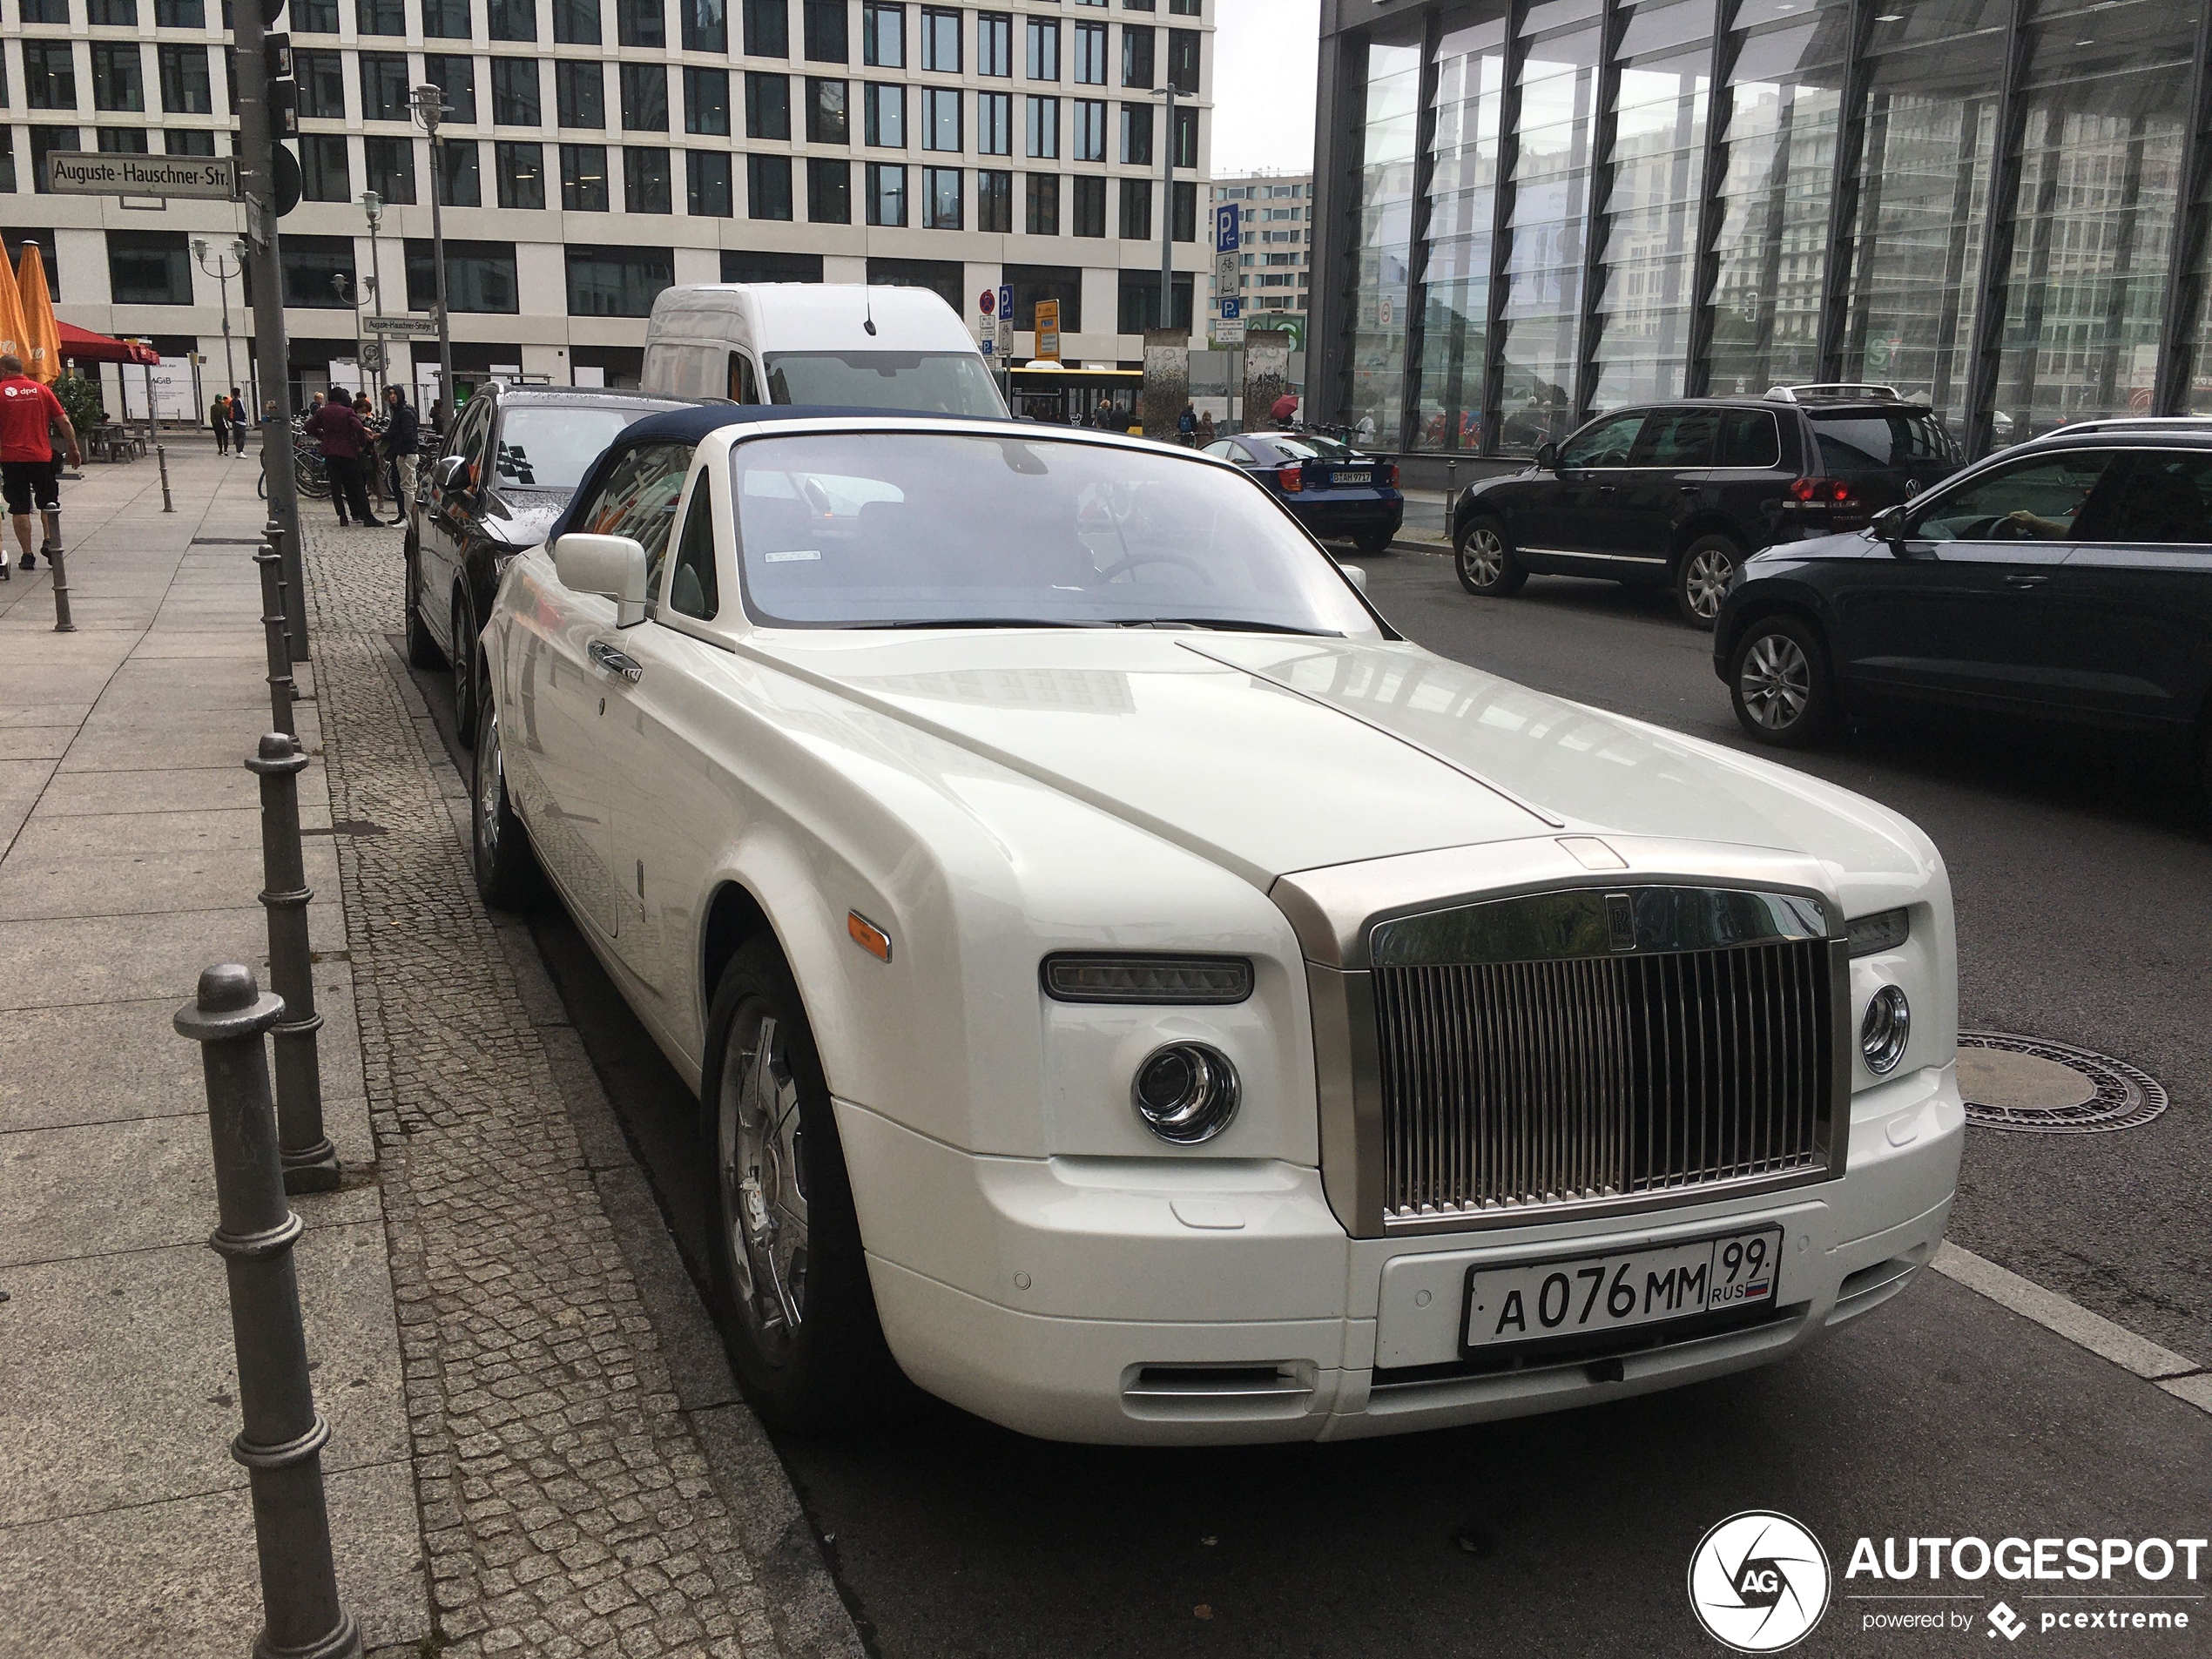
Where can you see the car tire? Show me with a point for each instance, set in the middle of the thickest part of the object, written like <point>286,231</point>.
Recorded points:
<point>788,1277</point>
<point>506,866</point>
<point>1702,575</point>
<point>1485,561</point>
<point>466,688</point>
<point>1779,681</point>
<point>421,651</point>
<point>1374,542</point>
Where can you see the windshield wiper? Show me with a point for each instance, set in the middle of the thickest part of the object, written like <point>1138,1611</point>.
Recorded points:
<point>979,622</point>
<point>1231,625</point>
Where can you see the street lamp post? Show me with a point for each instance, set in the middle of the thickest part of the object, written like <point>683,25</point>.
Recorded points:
<point>340,283</point>
<point>429,109</point>
<point>228,262</point>
<point>373,204</point>
<point>1167,218</point>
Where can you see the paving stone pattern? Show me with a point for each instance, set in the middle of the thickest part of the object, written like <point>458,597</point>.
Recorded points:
<point>568,1507</point>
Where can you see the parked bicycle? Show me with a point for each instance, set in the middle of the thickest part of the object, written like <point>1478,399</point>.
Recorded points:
<point>310,473</point>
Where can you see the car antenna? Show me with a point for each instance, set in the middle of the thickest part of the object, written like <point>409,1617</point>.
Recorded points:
<point>868,305</point>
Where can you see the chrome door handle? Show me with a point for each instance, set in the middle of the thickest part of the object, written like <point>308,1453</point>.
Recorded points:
<point>1689,489</point>
<point>616,662</point>
<point>2026,581</point>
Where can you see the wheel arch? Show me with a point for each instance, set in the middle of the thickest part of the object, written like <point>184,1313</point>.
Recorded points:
<point>1704,522</point>
<point>1756,607</point>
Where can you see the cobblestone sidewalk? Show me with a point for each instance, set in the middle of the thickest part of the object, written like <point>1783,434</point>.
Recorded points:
<point>568,1505</point>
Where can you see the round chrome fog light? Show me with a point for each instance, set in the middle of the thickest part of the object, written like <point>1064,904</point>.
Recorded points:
<point>1186,1092</point>
<point>1883,1033</point>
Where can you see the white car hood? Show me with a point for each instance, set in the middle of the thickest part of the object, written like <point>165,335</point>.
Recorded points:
<point>1276,753</point>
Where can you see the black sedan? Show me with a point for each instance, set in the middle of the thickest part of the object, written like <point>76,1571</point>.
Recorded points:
<point>1336,493</point>
<point>2065,579</point>
<point>514,457</point>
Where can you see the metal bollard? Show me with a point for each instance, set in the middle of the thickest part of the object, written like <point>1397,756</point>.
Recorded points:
<point>1451,490</point>
<point>53,554</point>
<point>161,454</point>
<point>284,691</point>
<point>282,1439</point>
<point>310,1161</point>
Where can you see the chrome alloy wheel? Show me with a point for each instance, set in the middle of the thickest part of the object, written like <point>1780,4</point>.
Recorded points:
<point>1484,557</point>
<point>1776,681</point>
<point>762,1179</point>
<point>491,781</point>
<point>1705,582</point>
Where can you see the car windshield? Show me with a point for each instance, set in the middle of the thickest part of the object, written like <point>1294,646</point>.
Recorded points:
<point>1864,440</point>
<point>927,382</point>
<point>549,445</point>
<point>913,529</point>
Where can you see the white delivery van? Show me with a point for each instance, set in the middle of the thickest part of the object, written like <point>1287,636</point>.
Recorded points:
<point>834,344</point>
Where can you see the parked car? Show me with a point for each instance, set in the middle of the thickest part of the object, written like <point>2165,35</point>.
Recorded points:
<point>509,466</point>
<point>1337,492</point>
<point>1137,994</point>
<point>1680,494</point>
<point>2067,578</point>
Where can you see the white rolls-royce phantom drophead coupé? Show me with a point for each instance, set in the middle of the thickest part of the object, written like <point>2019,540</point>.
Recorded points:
<point>1139,995</point>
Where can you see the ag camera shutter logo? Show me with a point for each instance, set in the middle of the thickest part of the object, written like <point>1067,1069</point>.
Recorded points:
<point>1758,1582</point>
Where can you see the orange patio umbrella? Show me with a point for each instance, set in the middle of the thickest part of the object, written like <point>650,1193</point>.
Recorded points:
<point>42,336</point>
<point>12,326</point>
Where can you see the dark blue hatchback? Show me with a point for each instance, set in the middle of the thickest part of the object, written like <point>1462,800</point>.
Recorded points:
<point>1336,493</point>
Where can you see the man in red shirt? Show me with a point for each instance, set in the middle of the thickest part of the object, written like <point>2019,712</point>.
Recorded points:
<point>29,468</point>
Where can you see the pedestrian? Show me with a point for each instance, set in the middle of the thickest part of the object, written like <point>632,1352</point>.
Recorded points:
<point>1285,411</point>
<point>219,418</point>
<point>402,441</point>
<point>345,444</point>
<point>362,407</point>
<point>1186,427</point>
<point>238,422</point>
<point>438,418</point>
<point>30,470</point>
<point>1205,428</point>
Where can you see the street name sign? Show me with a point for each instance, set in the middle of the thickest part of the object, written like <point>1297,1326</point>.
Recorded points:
<point>402,327</point>
<point>79,172</point>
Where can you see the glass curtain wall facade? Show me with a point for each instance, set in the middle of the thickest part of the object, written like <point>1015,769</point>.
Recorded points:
<point>2002,207</point>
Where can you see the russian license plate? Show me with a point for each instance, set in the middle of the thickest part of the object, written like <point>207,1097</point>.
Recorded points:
<point>1355,478</point>
<point>1612,1292</point>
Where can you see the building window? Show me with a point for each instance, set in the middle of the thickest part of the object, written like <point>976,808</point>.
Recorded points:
<point>645,181</point>
<point>1045,49</point>
<point>1140,301</point>
<point>644,97</point>
<point>826,121</point>
<point>583,177</point>
<point>1136,209</point>
<point>1044,124</point>
<point>743,265</point>
<point>1031,283</point>
<point>323,173</point>
<point>941,277</point>
<point>185,88</point>
<point>767,28</point>
<point>390,165</point>
<point>641,22</point>
<point>941,40</point>
<point>167,14</point>
<point>149,268</point>
<point>380,18</point>
<point>705,27</point>
<point>445,19</point>
<point>993,43</point>
<point>119,76</point>
<point>940,198</point>
<point>1184,9</point>
<point>1182,217</point>
<point>767,106</point>
<point>824,21</point>
<point>322,83</point>
<point>993,200</point>
<point>1090,129</point>
<point>480,277</point>
<point>123,141</point>
<point>940,118</point>
<point>48,76</point>
<point>706,101</point>
<point>767,180</point>
<point>308,17</point>
<point>455,79</point>
<point>459,183</point>
<point>522,174</point>
<point>829,191</point>
<point>994,123</point>
<point>580,94</point>
<point>706,184</point>
<point>1090,54</point>
<point>176,141</point>
<point>44,142</point>
<point>1137,5</point>
<point>885,116</point>
<point>1136,135</point>
<point>318,273</point>
<point>1186,142</point>
<point>51,11</point>
<point>886,183</point>
<point>384,86</point>
<point>1137,55</point>
<point>1043,215</point>
<point>111,14</point>
<point>1183,60</point>
<point>513,92</point>
<point>576,22</point>
<point>1089,213</point>
<point>883,34</point>
<point>512,19</point>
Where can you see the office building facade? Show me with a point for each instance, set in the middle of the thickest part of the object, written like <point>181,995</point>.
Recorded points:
<point>1530,213</point>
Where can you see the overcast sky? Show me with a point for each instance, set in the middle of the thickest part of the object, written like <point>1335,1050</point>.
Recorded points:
<point>1264,53</point>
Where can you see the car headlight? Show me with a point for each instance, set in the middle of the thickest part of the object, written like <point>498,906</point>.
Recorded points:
<point>1884,1031</point>
<point>1886,930</point>
<point>1186,1092</point>
<point>1117,976</point>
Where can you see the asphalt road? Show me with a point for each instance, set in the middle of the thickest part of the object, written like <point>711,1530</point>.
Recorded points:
<point>2084,892</point>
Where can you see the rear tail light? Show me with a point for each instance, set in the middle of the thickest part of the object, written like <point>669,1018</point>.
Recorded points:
<point>1821,492</point>
<point>1390,476</point>
<point>1291,478</point>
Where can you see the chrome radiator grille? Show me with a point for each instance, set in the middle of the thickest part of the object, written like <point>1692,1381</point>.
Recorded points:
<point>1585,1077</point>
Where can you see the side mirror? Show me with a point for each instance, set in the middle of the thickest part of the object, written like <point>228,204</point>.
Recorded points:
<point>1356,574</point>
<point>613,565</point>
<point>451,474</point>
<point>1548,457</point>
<point>1888,525</point>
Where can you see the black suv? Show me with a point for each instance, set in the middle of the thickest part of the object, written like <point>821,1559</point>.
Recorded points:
<point>1682,493</point>
<point>2066,579</point>
<point>513,459</point>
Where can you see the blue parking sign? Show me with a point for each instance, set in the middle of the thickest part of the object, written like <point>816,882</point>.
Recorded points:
<point>1228,232</point>
<point>1005,305</point>
<point>1231,309</point>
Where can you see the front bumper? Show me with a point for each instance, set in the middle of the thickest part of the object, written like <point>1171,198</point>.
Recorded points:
<point>1197,1300</point>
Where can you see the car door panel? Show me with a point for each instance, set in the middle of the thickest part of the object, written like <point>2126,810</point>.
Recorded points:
<point>447,524</point>
<point>1664,483</point>
<point>1580,527</point>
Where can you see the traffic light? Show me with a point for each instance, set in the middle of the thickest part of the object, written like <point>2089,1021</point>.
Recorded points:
<point>283,91</point>
<point>285,178</point>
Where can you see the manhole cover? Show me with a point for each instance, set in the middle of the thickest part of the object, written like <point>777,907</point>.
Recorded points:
<point>2041,1087</point>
